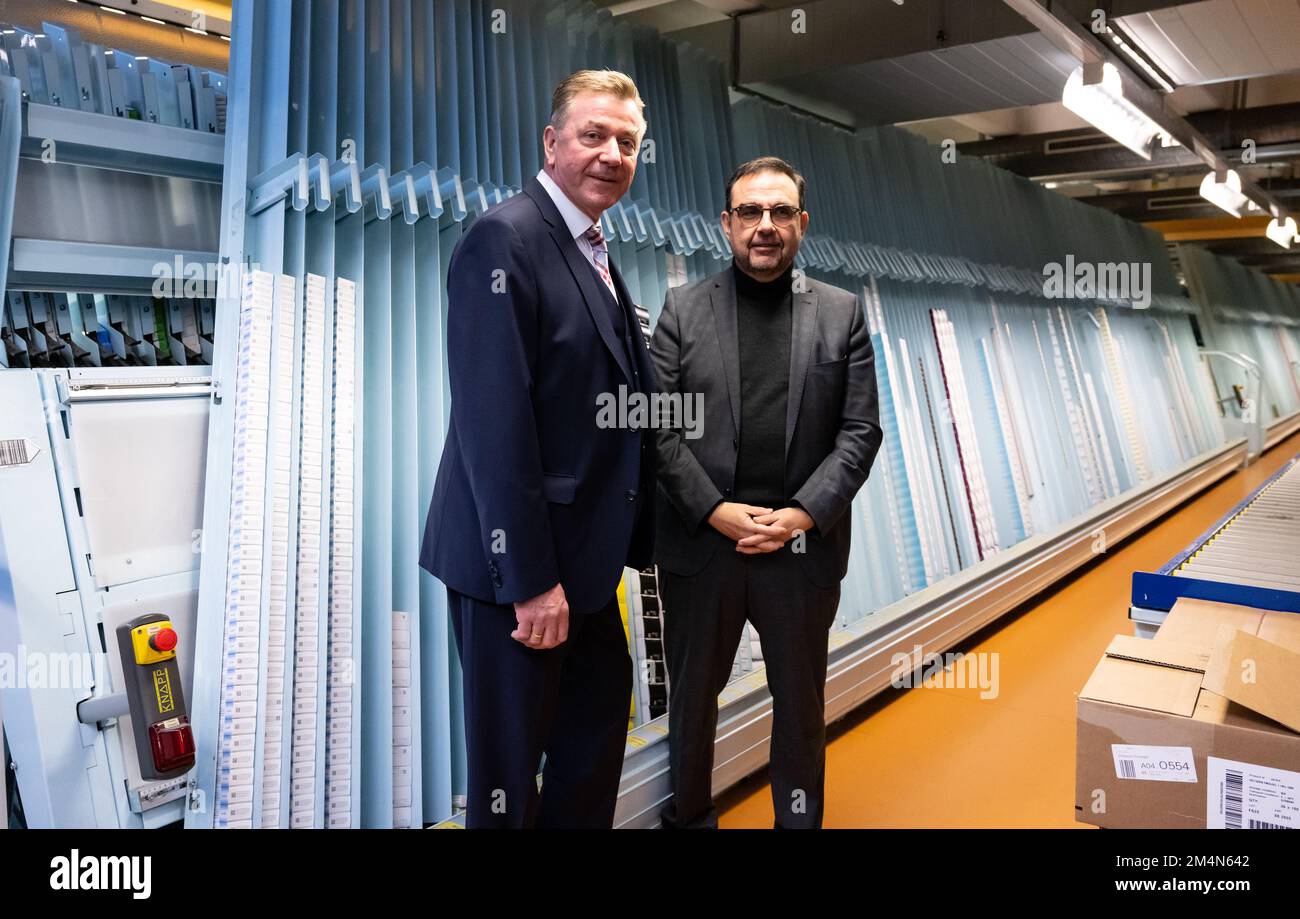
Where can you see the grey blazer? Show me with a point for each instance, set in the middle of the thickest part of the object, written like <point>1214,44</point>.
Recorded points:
<point>832,429</point>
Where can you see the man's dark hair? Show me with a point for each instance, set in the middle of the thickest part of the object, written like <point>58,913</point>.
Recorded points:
<point>765,164</point>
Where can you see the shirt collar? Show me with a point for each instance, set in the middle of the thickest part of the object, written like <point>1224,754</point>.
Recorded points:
<point>577,222</point>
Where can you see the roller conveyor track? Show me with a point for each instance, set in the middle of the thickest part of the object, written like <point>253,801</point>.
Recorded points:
<point>1258,545</point>
<point>1251,556</point>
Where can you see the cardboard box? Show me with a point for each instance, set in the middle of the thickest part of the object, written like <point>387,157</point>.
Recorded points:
<point>1197,727</point>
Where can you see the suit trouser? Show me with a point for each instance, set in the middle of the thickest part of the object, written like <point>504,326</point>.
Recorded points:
<point>570,702</point>
<point>704,617</point>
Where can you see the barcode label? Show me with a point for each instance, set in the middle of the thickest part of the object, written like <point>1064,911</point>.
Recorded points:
<point>1154,764</point>
<point>1247,796</point>
<point>1232,800</point>
<point>14,453</point>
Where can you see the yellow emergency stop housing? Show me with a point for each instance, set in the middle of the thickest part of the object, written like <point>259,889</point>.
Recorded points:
<point>145,653</point>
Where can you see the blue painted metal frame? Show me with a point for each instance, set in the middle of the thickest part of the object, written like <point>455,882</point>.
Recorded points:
<point>10,142</point>
<point>1160,592</point>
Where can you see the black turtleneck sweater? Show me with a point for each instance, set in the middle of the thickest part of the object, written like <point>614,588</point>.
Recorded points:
<point>763,320</point>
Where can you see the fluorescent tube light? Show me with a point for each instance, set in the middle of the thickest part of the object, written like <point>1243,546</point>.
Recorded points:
<point>1101,103</point>
<point>1283,232</point>
<point>1224,190</point>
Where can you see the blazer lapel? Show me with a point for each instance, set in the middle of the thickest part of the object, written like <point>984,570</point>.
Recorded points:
<point>722,296</point>
<point>634,323</point>
<point>803,329</point>
<point>582,273</point>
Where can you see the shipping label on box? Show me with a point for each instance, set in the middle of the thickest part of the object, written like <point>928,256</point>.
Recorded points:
<point>1243,796</point>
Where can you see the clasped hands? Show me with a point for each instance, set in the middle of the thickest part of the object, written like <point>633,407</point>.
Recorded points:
<point>543,621</point>
<point>756,530</point>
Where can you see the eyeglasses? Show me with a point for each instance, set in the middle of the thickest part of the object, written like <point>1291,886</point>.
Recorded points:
<point>782,214</point>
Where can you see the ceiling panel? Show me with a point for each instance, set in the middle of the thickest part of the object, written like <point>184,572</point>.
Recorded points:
<point>1216,40</point>
<point>979,77</point>
<point>1276,27</point>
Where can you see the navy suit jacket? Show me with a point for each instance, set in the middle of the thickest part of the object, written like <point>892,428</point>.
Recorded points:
<point>530,491</point>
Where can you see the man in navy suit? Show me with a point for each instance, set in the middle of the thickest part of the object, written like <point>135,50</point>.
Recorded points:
<point>537,507</point>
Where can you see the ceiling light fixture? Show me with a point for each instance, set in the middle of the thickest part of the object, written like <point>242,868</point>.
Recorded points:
<point>1283,232</point>
<point>1223,190</point>
<point>1095,93</point>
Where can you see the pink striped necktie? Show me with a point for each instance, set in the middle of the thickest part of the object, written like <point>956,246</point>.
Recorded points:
<point>600,253</point>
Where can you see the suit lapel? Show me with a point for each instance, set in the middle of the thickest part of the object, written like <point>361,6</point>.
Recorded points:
<point>634,324</point>
<point>722,296</point>
<point>803,328</point>
<point>626,305</point>
<point>582,273</point>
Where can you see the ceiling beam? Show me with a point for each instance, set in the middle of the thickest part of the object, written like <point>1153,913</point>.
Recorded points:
<point>1181,231</point>
<point>1174,202</point>
<point>1275,130</point>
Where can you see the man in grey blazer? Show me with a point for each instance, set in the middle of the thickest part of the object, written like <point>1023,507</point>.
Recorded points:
<point>753,522</point>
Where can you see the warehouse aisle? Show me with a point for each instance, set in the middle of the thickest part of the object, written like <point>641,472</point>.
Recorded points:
<point>946,757</point>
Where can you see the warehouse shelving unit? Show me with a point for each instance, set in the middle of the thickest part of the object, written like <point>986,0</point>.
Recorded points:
<point>110,168</point>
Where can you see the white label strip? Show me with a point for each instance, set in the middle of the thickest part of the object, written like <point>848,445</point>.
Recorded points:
<point>307,618</point>
<point>1154,764</point>
<point>1085,412</point>
<point>1120,383</point>
<point>282,368</point>
<point>1082,452</point>
<point>243,575</point>
<point>1066,458</point>
<point>338,722</point>
<point>402,784</point>
<point>980,504</point>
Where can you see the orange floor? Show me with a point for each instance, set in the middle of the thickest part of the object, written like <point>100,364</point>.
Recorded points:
<point>946,757</point>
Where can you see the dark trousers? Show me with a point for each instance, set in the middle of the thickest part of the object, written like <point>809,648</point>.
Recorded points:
<point>704,617</point>
<point>570,702</point>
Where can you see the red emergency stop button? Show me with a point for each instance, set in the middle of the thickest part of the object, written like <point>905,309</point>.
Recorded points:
<point>163,640</point>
